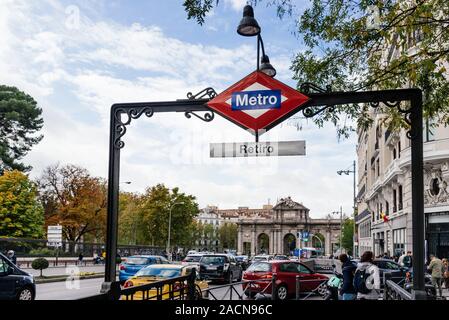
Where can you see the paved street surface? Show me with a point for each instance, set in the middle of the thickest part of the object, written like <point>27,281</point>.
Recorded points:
<point>59,291</point>
<point>89,287</point>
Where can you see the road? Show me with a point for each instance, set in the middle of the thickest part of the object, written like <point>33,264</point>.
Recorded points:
<point>89,287</point>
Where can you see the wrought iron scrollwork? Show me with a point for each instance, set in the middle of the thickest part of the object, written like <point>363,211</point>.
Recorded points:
<point>307,88</point>
<point>208,92</point>
<point>408,113</point>
<point>208,117</point>
<point>120,123</point>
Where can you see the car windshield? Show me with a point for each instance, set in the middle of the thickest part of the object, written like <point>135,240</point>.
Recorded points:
<point>281,257</point>
<point>137,260</point>
<point>212,260</point>
<point>259,267</point>
<point>240,258</point>
<point>260,258</point>
<point>192,259</point>
<point>159,272</point>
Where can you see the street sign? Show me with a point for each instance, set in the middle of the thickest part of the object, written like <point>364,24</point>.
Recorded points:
<point>257,149</point>
<point>54,236</point>
<point>258,102</point>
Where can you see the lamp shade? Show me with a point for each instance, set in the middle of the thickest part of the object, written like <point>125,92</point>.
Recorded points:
<point>266,67</point>
<point>248,26</point>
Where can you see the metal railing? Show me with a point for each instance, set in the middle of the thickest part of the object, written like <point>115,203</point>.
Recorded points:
<point>255,289</point>
<point>179,288</point>
<point>393,290</point>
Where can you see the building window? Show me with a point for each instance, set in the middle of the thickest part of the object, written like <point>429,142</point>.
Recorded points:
<point>378,167</point>
<point>399,149</point>
<point>398,241</point>
<point>400,197</point>
<point>434,187</point>
<point>394,201</point>
<point>429,130</point>
<point>387,208</point>
<point>394,154</point>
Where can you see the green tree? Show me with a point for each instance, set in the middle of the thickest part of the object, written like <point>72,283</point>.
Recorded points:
<point>155,206</point>
<point>366,44</point>
<point>132,230</point>
<point>21,214</point>
<point>20,120</point>
<point>348,234</point>
<point>228,235</point>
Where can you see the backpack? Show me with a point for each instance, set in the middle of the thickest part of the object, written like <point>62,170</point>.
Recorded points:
<point>407,261</point>
<point>360,278</point>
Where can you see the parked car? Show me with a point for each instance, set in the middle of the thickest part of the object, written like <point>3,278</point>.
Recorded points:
<point>133,264</point>
<point>192,260</point>
<point>280,257</point>
<point>222,267</point>
<point>286,272</point>
<point>160,272</point>
<point>15,284</point>
<point>243,261</point>
<point>262,257</point>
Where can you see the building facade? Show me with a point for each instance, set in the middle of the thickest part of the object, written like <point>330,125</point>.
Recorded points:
<point>384,187</point>
<point>277,232</point>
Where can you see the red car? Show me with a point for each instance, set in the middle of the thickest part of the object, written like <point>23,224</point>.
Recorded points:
<point>286,272</point>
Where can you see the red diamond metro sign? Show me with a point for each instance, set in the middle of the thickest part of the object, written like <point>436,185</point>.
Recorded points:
<point>258,102</point>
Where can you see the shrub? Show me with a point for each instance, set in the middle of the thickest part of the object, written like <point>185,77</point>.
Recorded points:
<point>40,264</point>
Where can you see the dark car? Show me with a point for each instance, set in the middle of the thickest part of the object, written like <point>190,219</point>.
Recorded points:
<point>243,261</point>
<point>222,267</point>
<point>15,284</point>
<point>261,273</point>
<point>131,265</point>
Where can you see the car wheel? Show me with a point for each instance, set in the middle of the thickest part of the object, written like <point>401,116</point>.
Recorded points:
<point>282,292</point>
<point>322,290</point>
<point>25,294</point>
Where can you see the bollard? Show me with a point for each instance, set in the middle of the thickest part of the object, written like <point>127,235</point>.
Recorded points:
<point>387,276</point>
<point>230,287</point>
<point>273,287</point>
<point>191,285</point>
<point>298,288</point>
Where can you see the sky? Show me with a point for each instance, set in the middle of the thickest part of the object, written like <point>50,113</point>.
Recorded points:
<point>77,58</point>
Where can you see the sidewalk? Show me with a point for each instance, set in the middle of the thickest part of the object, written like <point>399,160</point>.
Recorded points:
<point>64,271</point>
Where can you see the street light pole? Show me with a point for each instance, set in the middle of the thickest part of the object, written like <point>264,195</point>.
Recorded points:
<point>354,201</point>
<point>169,230</point>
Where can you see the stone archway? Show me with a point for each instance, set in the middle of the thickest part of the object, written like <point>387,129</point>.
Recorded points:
<point>263,243</point>
<point>289,243</point>
<point>319,242</point>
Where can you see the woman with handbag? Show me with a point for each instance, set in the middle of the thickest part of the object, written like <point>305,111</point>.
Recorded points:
<point>446,273</point>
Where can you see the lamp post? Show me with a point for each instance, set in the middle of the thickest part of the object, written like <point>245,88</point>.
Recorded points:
<point>341,226</point>
<point>169,230</point>
<point>347,172</point>
<point>248,27</point>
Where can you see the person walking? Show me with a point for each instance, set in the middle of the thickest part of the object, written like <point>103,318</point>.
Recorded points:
<point>407,261</point>
<point>367,278</point>
<point>446,273</point>
<point>12,256</point>
<point>80,259</point>
<point>347,291</point>
<point>436,269</point>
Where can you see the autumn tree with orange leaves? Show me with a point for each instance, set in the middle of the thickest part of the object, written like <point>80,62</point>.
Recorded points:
<point>76,200</point>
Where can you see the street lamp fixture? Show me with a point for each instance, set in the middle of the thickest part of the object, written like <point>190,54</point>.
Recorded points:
<point>266,66</point>
<point>169,230</point>
<point>249,27</point>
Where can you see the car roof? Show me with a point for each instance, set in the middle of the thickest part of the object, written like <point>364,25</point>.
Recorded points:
<point>165,266</point>
<point>144,256</point>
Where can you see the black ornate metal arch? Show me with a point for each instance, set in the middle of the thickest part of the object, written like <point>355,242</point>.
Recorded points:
<point>320,101</point>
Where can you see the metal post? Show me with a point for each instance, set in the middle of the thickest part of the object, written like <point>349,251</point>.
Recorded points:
<point>416,115</point>
<point>191,285</point>
<point>298,287</point>
<point>273,287</point>
<point>112,213</point>
<point>354,231</point>
<point>258,52</point>
<point>169,234</point>
<point>341,229</point>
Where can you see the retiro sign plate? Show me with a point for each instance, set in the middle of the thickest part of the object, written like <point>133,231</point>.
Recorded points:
<point>258,102</point>
<point>257,149</point>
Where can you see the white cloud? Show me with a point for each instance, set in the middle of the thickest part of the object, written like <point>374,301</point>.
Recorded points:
<point>76,74</point>
<point>236,5</point>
